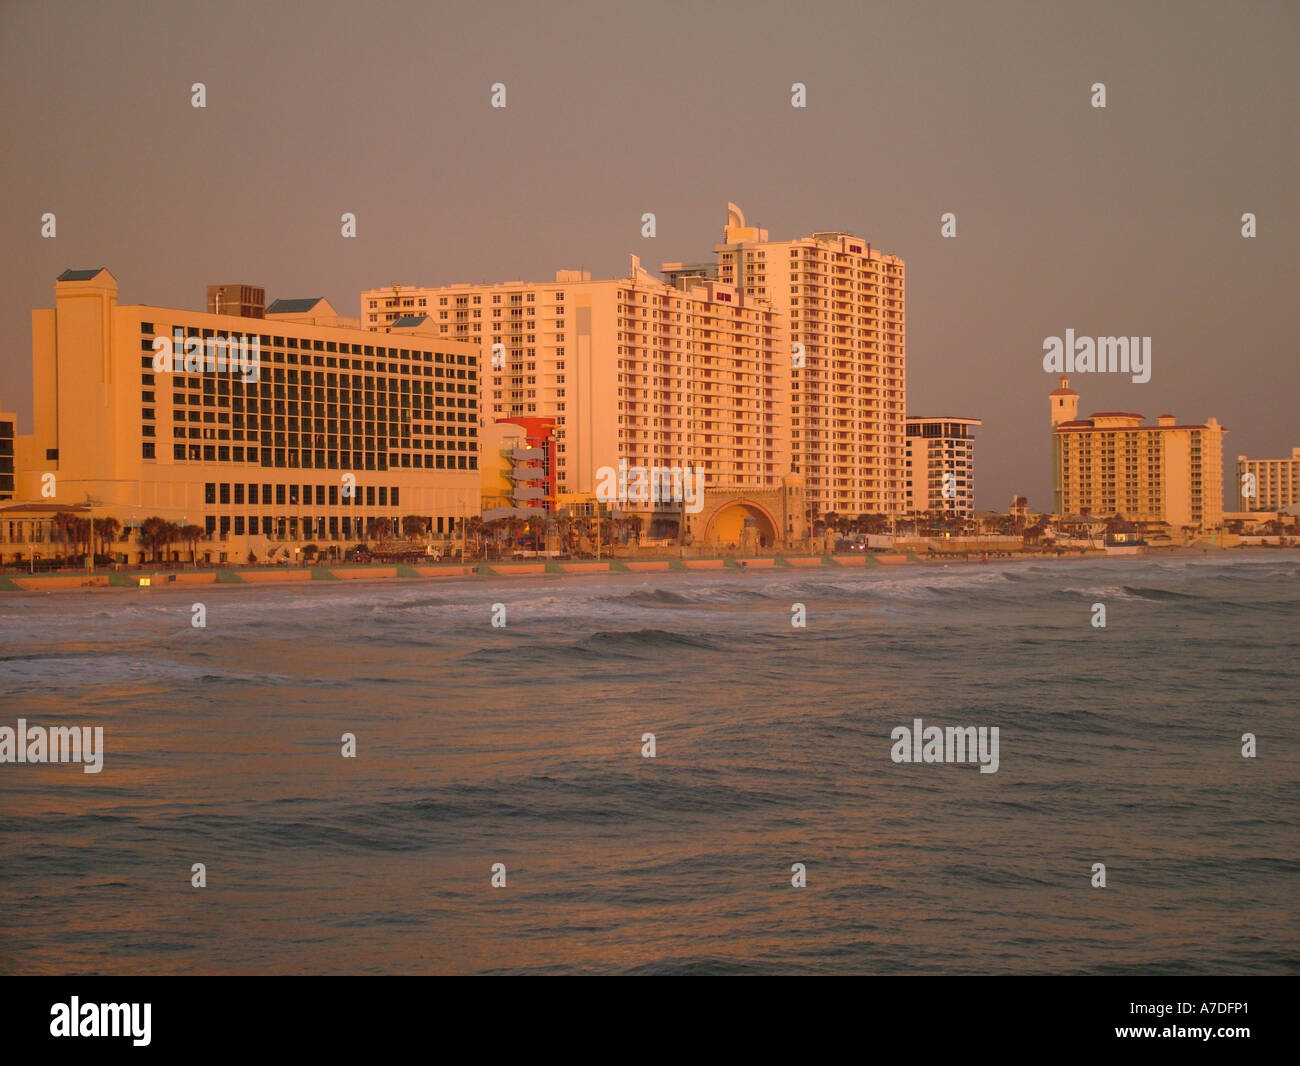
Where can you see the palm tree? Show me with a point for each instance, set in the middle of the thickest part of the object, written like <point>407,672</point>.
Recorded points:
<point>107,529</point>
<point>73,530</point>
<point>152,534</point>
<point>564,528</point>
<point>413,526</point>
<point>61,528</point>
<point>84,532</point>
<point>494,529</point>
<point>474,528</point>
<point>192,534</point>
<point>171,533</point>
<point>378,529</point>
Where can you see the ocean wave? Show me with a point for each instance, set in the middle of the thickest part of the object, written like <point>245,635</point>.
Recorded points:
<point>1165,595</point>
<point>623,642</point>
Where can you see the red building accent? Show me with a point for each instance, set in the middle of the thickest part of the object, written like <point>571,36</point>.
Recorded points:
<point>540,433</point>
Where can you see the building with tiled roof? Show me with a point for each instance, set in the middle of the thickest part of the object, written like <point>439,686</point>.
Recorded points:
<point>1111,464</point>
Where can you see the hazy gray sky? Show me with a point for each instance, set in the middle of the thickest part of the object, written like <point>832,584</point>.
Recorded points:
<point>1125,220</point>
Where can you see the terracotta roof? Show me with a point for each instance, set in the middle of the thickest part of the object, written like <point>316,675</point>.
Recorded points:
<point>1084,424</point>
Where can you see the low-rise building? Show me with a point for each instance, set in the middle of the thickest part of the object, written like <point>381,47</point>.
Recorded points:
<point>1268,484</point>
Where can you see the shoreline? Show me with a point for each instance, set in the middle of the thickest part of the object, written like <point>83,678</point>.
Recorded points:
<point>148,580</point>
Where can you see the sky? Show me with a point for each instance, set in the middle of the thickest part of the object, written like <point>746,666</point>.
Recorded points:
<point>1122,220</point>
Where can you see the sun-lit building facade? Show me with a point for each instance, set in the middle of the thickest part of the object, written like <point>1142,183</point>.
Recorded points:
<point>1275,482</point>
<point>337,427</point>
<point>940,465</point>
<point>844,306</point>
<point>631,369</point>
<point>1111,464</point>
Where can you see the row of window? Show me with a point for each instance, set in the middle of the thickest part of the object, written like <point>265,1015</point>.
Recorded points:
<point>291,495</point>
<point>294,345</point>
<point>314,459</point>
<point>461,301</point>
<point>295,527</point>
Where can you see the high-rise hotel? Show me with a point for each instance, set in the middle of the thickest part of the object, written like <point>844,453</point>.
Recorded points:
<point>1111,464</point>
<point>780,355</point>
<point>845,307</point>
<point>335,427</point>
<point>634,369</point>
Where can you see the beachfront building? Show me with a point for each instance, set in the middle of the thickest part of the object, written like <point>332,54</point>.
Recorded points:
<point>8,443</point>
<point>1275,482</point>
<point>518,468</point>
<point>315,431</point>
<point>844,303</point>
<point>1111,464</point>
<point>633,369</point>
<point>940,466</point>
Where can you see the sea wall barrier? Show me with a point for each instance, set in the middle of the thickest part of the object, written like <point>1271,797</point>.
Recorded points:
<point>150,579</point>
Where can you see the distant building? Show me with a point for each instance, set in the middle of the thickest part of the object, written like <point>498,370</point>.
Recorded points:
<point>940,465</point>
<point>246,301</point>
<point>1111,464</point>
<point>1276,482</point>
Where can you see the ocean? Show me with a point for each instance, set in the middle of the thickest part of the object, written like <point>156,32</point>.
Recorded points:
<point>522,745</point>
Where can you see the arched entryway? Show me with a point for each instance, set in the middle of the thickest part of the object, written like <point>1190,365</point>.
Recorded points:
<point>727,525</point>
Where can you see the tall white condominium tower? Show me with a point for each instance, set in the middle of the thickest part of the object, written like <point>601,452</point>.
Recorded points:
<point>845,305</point>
